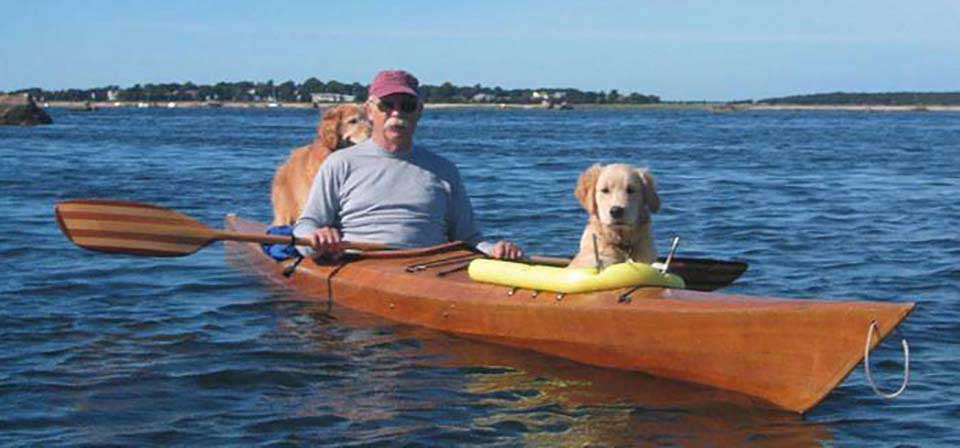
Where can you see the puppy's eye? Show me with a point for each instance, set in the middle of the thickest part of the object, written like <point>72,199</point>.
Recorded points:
<point>352,121</point>
<point>605,190</point>
<point>629,190</point>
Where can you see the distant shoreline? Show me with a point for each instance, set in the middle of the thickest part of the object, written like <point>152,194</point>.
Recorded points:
<point>850,107</point>
<point>714,107</point>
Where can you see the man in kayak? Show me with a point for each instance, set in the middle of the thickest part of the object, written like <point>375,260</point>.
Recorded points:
<point>386,190</point>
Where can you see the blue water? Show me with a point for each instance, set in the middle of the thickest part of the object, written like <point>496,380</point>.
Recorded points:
<point>98,349</point>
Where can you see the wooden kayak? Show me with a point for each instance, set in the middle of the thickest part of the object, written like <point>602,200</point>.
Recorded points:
<point>788,352</point>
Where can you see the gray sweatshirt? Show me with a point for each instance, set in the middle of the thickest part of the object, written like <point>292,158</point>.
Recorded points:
<point>405,200</point>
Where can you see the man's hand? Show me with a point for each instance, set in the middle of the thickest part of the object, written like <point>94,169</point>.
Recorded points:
<point>326,242</point>
<point>506,250</point>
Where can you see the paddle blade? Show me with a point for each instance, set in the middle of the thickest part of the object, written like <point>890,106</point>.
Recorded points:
<point>131,228</point>
<point>703,274</point>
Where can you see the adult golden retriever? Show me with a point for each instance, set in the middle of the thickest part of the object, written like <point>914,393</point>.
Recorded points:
<point>619,199</point>
<point>340,127</point>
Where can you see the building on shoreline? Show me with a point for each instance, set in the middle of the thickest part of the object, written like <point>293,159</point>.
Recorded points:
<point>317,98</point>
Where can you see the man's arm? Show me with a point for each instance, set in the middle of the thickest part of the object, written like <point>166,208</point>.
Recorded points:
<point>320,218</point>
<point>463,226</point>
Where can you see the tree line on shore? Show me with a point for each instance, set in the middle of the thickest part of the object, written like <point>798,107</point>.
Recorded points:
<point>291,92</point>
<point>871,99</point>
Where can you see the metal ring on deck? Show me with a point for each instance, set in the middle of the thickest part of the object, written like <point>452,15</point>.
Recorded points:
<point>866,364</point>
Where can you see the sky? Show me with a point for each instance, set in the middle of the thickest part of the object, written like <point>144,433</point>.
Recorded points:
<point>679,50</point>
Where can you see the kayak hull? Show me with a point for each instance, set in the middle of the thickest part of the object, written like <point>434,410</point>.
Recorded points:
<point>788,352</point>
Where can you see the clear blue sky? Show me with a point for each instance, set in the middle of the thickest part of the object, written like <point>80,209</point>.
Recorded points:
<point>679,50</point>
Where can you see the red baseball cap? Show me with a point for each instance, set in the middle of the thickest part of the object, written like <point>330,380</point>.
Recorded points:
<point>388,82</point>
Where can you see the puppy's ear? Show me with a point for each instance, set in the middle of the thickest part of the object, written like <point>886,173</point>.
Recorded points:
<point>328,131</point>
<point>587,186</point>
<point>362,112</point>
<point>650,196</point>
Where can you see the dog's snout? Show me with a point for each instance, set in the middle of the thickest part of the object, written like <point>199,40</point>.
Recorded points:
<point>616,212</point>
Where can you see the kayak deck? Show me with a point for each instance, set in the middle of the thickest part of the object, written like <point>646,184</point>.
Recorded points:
<point>788,352</point>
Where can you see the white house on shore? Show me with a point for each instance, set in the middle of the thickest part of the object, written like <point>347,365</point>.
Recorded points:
<point>331,98</point>
<point>549,100</point>
<point>484,98</point>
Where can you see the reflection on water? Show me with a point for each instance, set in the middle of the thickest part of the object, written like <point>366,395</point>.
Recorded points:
<point>543,400</point>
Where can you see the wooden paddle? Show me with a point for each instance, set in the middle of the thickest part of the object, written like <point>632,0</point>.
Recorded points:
<point>142,229</point>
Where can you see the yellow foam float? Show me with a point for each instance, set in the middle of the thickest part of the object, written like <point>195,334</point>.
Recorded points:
<point>570,280</point>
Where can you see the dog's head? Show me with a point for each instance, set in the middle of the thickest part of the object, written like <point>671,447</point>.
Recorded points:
<point>343,126</point>
<point>618,194</point>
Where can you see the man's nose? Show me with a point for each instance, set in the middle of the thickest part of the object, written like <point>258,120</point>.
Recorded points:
<point>616,212</point>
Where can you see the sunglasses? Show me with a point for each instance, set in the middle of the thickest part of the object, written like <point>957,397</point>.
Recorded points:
<point>403,106</point>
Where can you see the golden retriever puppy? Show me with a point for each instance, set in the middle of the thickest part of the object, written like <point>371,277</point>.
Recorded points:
<point>340,127</point>
<point>619,199</point>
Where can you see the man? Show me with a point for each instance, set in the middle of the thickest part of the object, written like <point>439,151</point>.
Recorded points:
<point>385,190</point>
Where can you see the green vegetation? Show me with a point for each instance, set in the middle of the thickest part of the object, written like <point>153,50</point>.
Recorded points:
<point>291,92</point>
<point>871,99</point>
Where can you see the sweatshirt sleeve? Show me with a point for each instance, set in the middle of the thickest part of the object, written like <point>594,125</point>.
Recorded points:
<point>461,223</point>
<point>323,204</point>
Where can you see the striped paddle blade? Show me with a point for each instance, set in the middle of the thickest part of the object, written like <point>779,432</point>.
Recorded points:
<point>131,228</point>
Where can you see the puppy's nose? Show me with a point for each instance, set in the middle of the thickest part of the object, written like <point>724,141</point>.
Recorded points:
<point>616,212</point>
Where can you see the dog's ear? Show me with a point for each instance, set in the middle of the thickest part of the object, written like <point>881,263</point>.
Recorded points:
<point>328,131</point>
<point>587,186</point>
<point>650,196</point>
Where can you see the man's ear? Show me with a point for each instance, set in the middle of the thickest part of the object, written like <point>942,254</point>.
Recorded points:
<point>368,108</point>
<point>650,196</point>
<point>586,188</point>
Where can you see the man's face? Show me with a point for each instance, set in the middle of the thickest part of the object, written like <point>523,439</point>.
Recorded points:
<point>394,117</point>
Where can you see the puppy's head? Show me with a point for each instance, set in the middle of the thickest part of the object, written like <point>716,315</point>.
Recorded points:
<point>343,126</point>
<point>618,194</point>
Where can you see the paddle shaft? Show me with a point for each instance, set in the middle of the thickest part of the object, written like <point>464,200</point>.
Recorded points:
<point>281,239</point>
<point>549,261</point>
